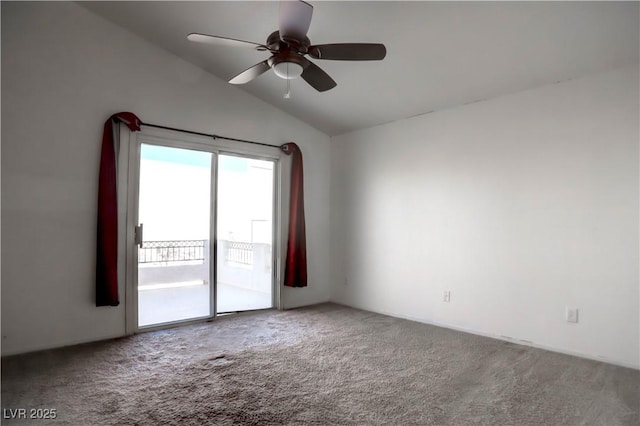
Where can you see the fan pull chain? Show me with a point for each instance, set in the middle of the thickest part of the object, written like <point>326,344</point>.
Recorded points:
<point>288,94</point>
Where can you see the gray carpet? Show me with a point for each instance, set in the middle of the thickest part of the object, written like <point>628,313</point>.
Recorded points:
<point>326,364</point>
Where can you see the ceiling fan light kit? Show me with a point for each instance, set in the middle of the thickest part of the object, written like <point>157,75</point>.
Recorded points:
<point>287,70</point>
<point>290,44</point>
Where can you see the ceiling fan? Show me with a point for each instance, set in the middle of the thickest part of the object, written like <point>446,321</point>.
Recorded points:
<point>289,45</point>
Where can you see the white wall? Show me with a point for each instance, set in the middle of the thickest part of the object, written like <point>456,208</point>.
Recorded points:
<point>64,72</point>
<point>520,206</point>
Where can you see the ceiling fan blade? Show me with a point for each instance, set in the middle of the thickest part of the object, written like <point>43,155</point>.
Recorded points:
<point>250,73</point>
<point>225,41</point>
<point>294,19</point>
<point>349,51</point>
<point>317,78</point>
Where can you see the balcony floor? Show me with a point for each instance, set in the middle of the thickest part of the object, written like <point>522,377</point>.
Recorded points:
<point>162,305</point>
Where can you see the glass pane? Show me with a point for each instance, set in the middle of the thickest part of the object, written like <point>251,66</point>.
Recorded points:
<point>245,234</point>
<point>174,208</point>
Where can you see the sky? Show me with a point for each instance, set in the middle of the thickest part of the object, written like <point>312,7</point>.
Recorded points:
<point>192,158</point>
<point>175,190</point>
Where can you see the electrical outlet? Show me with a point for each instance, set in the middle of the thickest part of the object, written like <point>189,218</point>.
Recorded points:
<point>572,314</point>
<point>446,296</point>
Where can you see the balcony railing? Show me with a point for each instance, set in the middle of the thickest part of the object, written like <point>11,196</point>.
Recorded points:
<point>168,264</point>
<point>193,251</point>
<point>172,251</point>
<point>239,252</point>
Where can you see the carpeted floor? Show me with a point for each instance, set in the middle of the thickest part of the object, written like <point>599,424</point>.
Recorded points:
<point>326,364</point>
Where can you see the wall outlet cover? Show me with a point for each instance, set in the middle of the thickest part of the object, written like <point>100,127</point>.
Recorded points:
<point>572,314</point>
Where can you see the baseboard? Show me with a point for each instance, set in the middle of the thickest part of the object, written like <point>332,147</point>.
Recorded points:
<point>40,348</point>
<point>306,305</point>
<point>497,337</point>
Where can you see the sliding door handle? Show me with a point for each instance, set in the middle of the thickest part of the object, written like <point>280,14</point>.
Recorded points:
<point>138,235</point>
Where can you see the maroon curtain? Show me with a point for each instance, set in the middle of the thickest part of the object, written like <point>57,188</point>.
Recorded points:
<point>295,270</point>
<point>107,242</point>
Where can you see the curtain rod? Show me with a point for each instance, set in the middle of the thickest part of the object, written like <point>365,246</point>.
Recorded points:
<point>209,135</point>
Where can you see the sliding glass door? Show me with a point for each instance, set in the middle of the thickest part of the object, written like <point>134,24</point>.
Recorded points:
<point>174,256</point>
<point>205,233</point>
<point>244,261</point>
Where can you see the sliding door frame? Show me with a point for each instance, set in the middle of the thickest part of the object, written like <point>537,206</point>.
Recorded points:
<point>275,225</point>
<point>128,198</point>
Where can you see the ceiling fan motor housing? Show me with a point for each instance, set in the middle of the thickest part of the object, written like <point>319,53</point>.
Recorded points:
<point>275,43</point>
<point>288,61</point>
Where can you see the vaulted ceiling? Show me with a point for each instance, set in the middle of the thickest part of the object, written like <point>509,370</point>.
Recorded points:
<point>439,54</point>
